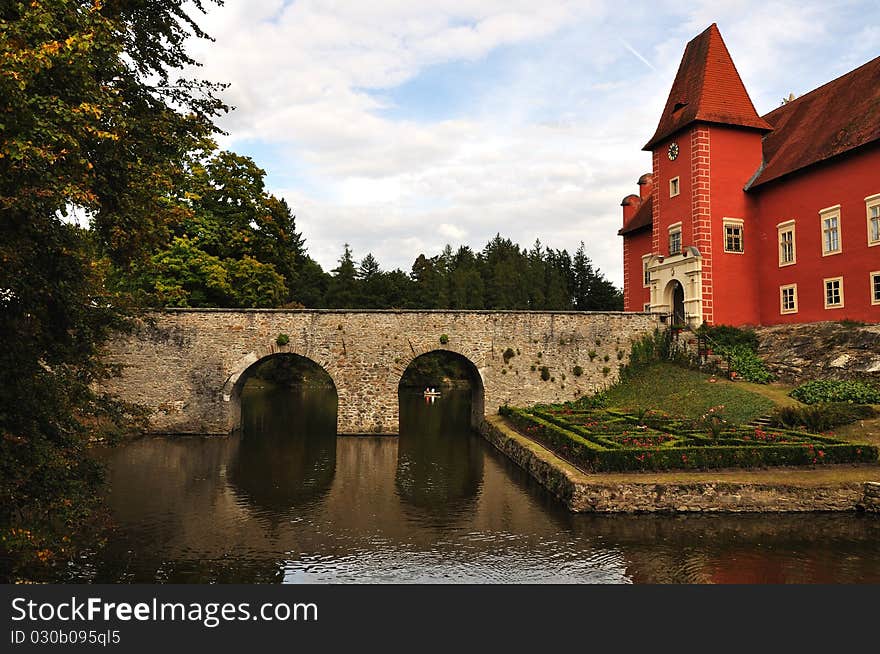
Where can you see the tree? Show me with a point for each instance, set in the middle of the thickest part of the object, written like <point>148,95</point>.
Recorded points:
<point>342,291</point>
<point>504,275</point>
<point>231,228</point>
<point>368,268</point>
<point>91,121</point>
<point>430,287</point>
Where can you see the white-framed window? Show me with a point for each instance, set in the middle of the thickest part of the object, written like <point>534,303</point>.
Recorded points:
<point>875,287</point>
<point>788,299</point>
<point>675,239</point>
<point>733,235</point>
<point>646,276</point>
<point>833,292</point>
<point>830,223</point>
<point>674,187</point>
<point>872,204</point>
<point>787,248</point>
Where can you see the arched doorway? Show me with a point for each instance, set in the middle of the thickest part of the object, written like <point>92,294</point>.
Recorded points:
<point>675,292</point>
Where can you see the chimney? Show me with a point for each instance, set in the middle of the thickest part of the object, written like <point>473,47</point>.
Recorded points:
<point>646,184</point>
<point>630,204</point>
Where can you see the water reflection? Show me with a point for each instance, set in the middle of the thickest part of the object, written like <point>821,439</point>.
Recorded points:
<point>286,456</point>
<point>439,459</point>
<point>283,502</point>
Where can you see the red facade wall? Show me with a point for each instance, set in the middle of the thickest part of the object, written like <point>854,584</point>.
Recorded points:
<point>735,155</point>
<point>846,181</point>
<point>667,210</point>
<point>636,244</point>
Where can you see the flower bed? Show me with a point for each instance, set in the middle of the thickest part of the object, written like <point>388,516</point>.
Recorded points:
<point>609,441</point>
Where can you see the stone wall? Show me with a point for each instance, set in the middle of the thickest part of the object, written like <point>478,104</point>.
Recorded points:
<point>599,493</point>
<point>188,365</point>
<point>871,500</point>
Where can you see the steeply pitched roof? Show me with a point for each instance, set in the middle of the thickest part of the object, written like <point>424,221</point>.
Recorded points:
<point>707,88</point>
<point>643,217</point>
<point>837,117</point>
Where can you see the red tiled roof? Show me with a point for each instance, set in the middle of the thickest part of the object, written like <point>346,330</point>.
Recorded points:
<point>643,217</point>
<point>837,117</point>
<point>707,88</point>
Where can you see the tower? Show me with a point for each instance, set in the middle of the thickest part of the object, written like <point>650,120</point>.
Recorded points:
<point>707,146</point>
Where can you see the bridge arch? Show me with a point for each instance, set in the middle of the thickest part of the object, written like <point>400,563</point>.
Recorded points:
<point>478,386</point>
<point>246,367</point>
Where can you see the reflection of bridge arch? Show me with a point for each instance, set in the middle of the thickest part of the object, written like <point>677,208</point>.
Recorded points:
<point>248,365</point>
<point>478,389</point>
<point>287,453</point>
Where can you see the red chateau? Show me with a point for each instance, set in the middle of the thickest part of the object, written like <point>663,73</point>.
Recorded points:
<point>757,220</point>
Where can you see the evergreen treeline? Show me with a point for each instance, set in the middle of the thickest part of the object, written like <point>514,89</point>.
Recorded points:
<point>230,243</point>
<point>500,276</point>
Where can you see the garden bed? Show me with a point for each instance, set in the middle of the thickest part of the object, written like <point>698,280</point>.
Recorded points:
<point>601,440</point>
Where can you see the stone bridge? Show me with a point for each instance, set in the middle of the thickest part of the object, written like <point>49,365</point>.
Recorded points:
<point>188,366</point>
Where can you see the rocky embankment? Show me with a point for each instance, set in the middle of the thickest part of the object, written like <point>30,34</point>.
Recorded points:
<point>826,350</point>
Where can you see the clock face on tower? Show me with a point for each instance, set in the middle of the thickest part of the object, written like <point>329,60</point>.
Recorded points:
<point>673,151</point>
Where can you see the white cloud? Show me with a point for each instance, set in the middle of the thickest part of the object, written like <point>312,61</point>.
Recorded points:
<point>546,150</point>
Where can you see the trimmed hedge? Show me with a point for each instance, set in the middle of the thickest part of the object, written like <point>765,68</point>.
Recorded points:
<point>687,451</point>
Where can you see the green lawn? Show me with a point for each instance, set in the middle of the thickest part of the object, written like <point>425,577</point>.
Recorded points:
<point>686,393</point>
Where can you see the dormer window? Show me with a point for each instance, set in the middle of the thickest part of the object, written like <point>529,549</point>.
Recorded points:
<point>678,106</point>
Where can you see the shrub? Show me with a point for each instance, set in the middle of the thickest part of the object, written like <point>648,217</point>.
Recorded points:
<point>606,371</point>
<point>727,337</point>
<point>597,400</point>
<point>741,345</point>
<point>606,358</point>
<point>829,390</point>
<point>648,349</point>
<point>748,365</point>
<point>508,355</point>
<point>713,421</point>
<point>444,339</point>
<point>545,373</point>
<point>591,354</point>
<point>282,340</point>
<point>819,418</point>
<point>577,371</point>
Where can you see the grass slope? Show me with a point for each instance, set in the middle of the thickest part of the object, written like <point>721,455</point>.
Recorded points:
<point>686,393</point>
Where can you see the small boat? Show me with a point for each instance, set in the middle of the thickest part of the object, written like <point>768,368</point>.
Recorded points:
<point>432,392</point>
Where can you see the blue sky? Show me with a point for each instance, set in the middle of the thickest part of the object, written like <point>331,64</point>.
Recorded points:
<point>399,126</point>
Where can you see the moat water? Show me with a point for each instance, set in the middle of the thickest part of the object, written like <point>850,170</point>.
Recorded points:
<point>288,501</point>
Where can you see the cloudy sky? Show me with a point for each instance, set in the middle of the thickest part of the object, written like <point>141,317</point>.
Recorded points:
<point>400,125</point>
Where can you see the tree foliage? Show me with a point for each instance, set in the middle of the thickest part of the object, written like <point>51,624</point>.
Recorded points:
<point>91,122</point>
<point>232,244</point>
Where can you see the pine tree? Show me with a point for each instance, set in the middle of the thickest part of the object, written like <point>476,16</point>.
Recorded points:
<point>342,287</point>
<point>368,268</point>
